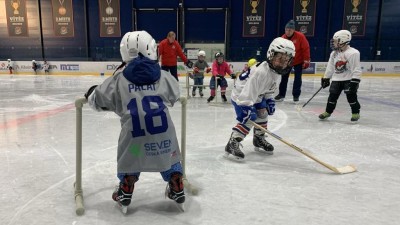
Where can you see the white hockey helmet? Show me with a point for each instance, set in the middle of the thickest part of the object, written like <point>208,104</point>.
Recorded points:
<point>136,42</point>
<point>9,60</point>
<point>33,60</point>
<point>201,53</point>
<point>343,37</point>
<point>284,46</point>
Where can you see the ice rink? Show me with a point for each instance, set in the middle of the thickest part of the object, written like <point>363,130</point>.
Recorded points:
<point>37,155</point>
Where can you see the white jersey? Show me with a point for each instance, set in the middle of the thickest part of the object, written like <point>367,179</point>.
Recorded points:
<point>46,66</point>
<point>10,64</point>
<point>262,82</point>
<point>344,65</point>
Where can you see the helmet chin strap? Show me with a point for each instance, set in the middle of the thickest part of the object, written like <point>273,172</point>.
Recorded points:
<point>343,47</point>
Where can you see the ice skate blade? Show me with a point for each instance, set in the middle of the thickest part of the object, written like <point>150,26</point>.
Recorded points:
<point>123,208</point>
<point>233,158</point>
<point>180,206</point>
<point>260,150</point>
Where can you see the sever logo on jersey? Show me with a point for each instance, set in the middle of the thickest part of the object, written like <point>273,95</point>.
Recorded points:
<point>340,66</point>
<point>73,67</point>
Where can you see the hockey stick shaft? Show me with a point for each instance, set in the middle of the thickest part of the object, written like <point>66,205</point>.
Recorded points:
<point>79,206</point>
<point>347,169</point>
<point>186,182</point>
<point>312,97</point>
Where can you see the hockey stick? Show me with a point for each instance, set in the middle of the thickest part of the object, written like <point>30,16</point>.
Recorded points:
<point>340,170</point>
<point>300,108</point>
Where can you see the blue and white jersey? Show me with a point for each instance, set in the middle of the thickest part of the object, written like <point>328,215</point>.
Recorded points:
<point>250,88</point>
<point>140,95</point>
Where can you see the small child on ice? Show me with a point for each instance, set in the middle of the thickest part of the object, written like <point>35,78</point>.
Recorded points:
<point>200,66</point>
<point>140,93</point>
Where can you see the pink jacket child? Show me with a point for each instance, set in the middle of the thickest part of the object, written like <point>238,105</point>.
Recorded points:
<point>219,69</point>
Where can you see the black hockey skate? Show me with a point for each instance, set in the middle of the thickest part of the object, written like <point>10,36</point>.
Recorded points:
<point>232,149</point>
<point>355,117</point>
<point>174,190</point>
<point>210,99</point>
<point>193,93</point>
<point>123,193</point>
<point>224,98</point>
<point>262,145</point>
<point>201,93</point>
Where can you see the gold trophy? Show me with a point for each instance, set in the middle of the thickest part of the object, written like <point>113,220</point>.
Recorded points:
<point>15,4</point>
<point>62,10</point>
<point>109,9</point>
<point>304,3</point>
<point>355,3</point>
<point>254,4</point>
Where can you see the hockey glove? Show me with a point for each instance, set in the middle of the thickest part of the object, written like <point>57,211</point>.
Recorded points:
<point>196,70</point>
<point>90,91</point>
<point>191,76</point>
<point>306,64</point>
<point>189,64</point>
<point>208,70</point>
<point>353,86</point>
<point>220,76</point>
<point>233,76</point>
<point>248,113</point>
<point>325,82</point>
<point>270,106</point>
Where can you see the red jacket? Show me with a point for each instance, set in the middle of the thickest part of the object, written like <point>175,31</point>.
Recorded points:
<point>301,46</point>
<point>169,53</point>
<point>221,69</point>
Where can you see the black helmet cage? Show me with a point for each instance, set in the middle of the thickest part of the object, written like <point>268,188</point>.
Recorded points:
<point>279,70</point>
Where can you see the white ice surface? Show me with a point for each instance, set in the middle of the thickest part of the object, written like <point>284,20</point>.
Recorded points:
<point>37,160</point>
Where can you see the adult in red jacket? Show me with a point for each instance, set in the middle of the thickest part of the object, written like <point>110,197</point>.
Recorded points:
<point>301,61</point>
<point>168,50</point>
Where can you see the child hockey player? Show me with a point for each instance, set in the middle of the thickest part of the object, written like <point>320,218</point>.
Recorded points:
<point>46,67</point>
<point>345,71</point>
<point>200,66</point>
<point>219,69</point>
<point>242,79</point>
<point>246,69</point>
<point>34,66</point>
<point>140,94</point>
<point>252,97</point>
<point>10,65</point>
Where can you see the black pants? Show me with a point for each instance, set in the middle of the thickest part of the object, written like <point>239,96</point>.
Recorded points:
<point>334,92</point>
<point>172,69</point>
<point>298,70</point>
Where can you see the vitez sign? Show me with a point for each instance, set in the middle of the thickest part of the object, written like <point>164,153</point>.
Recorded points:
<point>253,18</point>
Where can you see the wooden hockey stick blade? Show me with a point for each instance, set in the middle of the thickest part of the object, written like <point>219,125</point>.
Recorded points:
<point>346,169</point>
<point>340,170</point>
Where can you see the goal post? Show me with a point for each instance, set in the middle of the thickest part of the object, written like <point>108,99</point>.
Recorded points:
<point>79,207</point>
